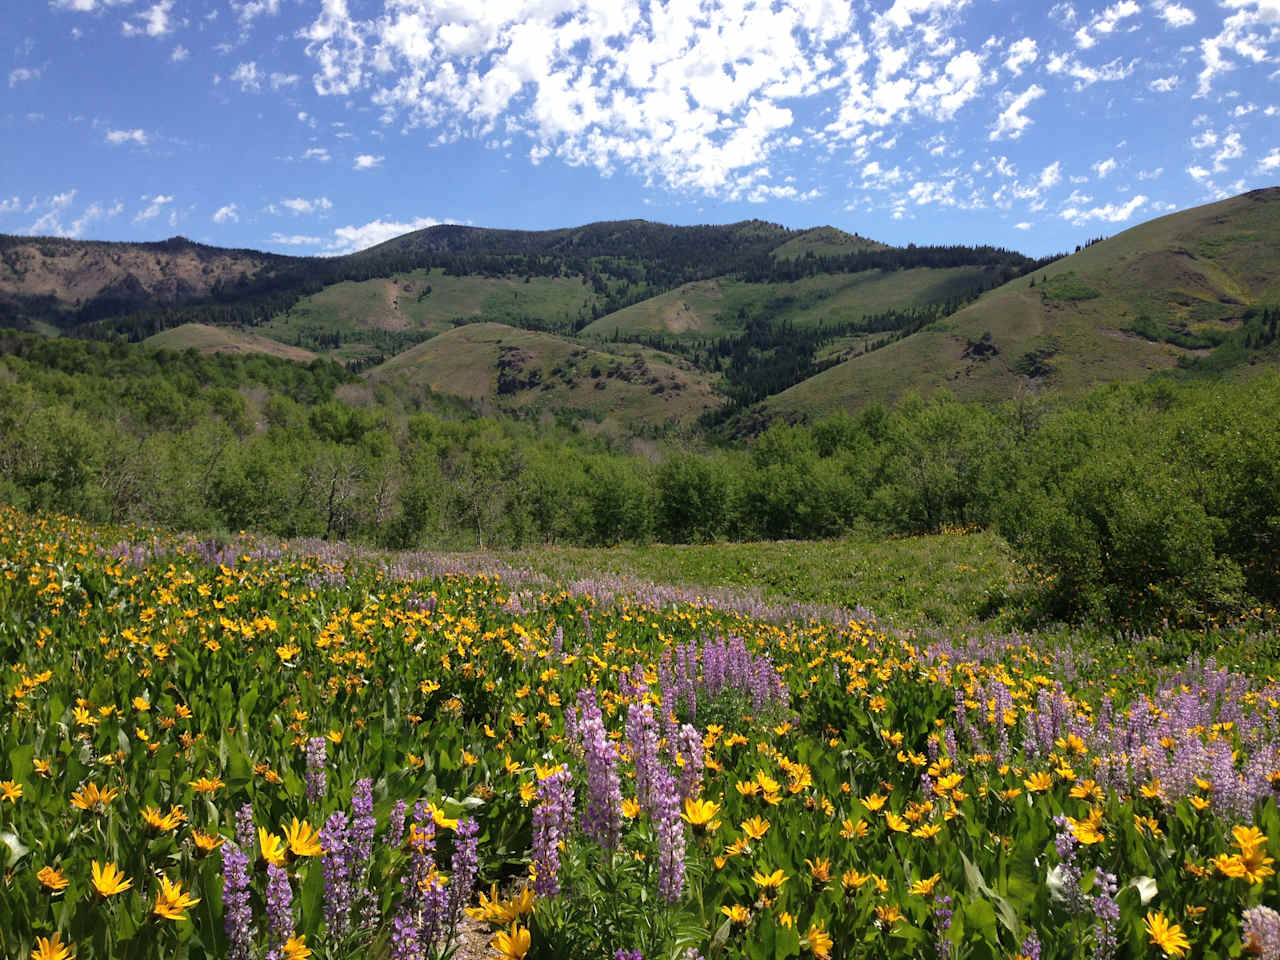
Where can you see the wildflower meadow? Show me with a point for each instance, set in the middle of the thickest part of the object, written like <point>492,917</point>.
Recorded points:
<point>255,749</point>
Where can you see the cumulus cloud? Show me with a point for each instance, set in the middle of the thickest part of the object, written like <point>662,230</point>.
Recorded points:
<point>248,76</point>
<point>1021,53</point>
<point>1109,213</point>
<point>352,238</point>
<point>1050,176</point>
<point>179,54</point>
<point>227,214</point>
<point>297,240</point>
<point>1105,23</point>
<point>153,22</point>
<point>118,137</point>
<point>367,161</point>
<point>1024,225</point>
<point>1164,84</point>
<point>692,97</point>
<point>1104,167</point>
<point>301,205</point>
<point>51,221</point>
<point>318,154</point>
<point>155,205</point>
<point>1271,162</point>
<point>1086,75</point>
<point>1250,34</point>
<point>1176,15</point>
<point>1012,121</point>
<point>22,75</point>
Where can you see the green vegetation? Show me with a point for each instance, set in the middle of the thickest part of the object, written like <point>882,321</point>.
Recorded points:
<point>1067,288</point>
<point>1141,502</point>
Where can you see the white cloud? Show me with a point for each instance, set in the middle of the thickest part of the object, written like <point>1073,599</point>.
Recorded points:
<point>248,76</point>
<point>319,154</point>
<point>1150,174</point>
<point>1164,84</point>
<point>301,205</point>
<point>179,54</point>
<point>1105,23</point>
<point>1050,176</point>
<point>367,161</point>
<point>691,96</point>
<point>1176,15</point>
<point>22,75</point>
<point>1012,122</point>
<point>352,238</point>
<point>1110,213</point>
<point>296,240</point>
<point>227,214</point>
<point>154,21</point>
<point>281,80</point>
<point>1271,162</point>
<point>155,206</point>
<point>1104,167</point>
<point>1024,225</point>
<point>1021,53</point>
<point>1087,76</point>
<point>1231,148</point>
<point>1198,173</point>
<point>50,223</point>
<point>118,137</point>
<point>249,11</point>
<point>1246,34</point>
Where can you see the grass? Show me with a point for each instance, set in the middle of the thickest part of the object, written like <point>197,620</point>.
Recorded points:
<point>718,307</point>
<point>633,386</point>
<point>208,339</point>
<point>947,579</point>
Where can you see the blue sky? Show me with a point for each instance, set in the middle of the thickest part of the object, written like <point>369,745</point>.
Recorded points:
<point>323,126</point>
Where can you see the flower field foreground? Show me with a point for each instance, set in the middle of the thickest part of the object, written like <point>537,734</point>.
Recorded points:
<point>260,753</point>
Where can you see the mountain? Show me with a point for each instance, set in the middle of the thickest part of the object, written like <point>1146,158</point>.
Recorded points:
<point>67,282</point>
<point>1175,291</point>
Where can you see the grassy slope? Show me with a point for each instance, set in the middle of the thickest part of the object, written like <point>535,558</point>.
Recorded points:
<point>940,579</point>
<point>1195,269</point>
<point>207,339</point>
<point>826,241</point>
<point>394,304</point>
<point>709,308</point>
<point>465,362</point>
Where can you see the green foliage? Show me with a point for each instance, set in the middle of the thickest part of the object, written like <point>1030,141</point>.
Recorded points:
<point>1066,287</point>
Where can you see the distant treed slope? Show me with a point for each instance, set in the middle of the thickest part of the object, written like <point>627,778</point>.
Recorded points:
<point>59,281</point>
<point>1183,290</point>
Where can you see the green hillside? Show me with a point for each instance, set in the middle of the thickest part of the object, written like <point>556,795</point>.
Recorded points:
<point>826,242</point>
<point>526,371</point>
<point>384,315</point>
<point>720,307</point>
<point>207,339</point>
<point>1159,294</point>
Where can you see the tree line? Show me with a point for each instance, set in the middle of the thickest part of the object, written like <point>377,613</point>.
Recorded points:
<point>1144,501</point>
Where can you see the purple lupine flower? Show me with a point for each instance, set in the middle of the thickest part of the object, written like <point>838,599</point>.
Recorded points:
<point>1030,947</point>
<point>465,866</point>
<point>942,914</point>
<point>395,824</point>
<point>557,642</point>
<point>1068,870</point>
<point>337,864</point>
<point>363,822</point>
<point>246,835</point>
<point>279,908</point>
<point>690,744</point>
<point>551,823</point>
<point>664,810</point>
<point>628,955</point>
<point>435,910</point>
<point>1106,912</point>
<point>417,914</point>
<point>317,782</point>
<point>1261,929</point>
<point>602,819</point>
<point>237,911</point>
<point>405,941</point>
<point>642,735</point>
